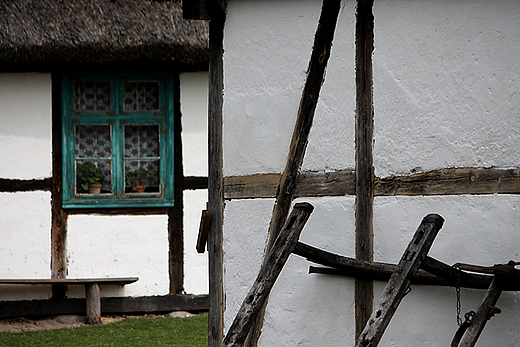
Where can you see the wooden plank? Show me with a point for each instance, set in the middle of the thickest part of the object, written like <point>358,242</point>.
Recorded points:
<point>309,99</point>
<point>195,182</point>
<point>339,183</point>
<point>17,185</point>
<point>76,281</point>
<point>482,315</point>
<point>203,9</point>
<point>452,182</point>
<point>119,305</point>
<point>364,161</point>
<point>202,238</point>
<point>271,268</point>
<point>93,303</point>
<point>395,289</point>
<point>59,217</point>
<point>176,213</point>
<point>351,267</point>
<point>215,182</point>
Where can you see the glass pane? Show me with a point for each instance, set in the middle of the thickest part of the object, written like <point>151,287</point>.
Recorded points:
<point>142,173</point>
<point>141,96</point>
<point>142,141</point>
<point>92,96</point>
<point>92,141</point>
<point>90,173</point>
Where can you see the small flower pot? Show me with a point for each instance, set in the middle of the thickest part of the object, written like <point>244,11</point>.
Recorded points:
<point>94,189</point>
<point>138,189</point>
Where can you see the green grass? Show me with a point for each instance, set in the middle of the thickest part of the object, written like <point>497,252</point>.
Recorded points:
<point>162,331</point>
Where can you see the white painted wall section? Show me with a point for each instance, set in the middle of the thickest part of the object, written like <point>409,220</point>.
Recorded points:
<point>120,246</point>
<point>267,48</point>
<point>194,108</point>
<point>25,134</point>
<point>446,77</point>
<point>25,246</point>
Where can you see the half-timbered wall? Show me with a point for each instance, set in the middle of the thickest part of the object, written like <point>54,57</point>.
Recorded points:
<point>96,245</point>
<point>446,139</point>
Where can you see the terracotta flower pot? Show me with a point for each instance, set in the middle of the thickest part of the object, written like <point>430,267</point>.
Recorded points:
<point>138,189</point>
<point>94,188</point>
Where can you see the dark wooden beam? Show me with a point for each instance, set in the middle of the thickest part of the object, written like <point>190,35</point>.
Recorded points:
<point>175,214</point>
<point>120,305</point>
<point>215,182</point>
<point>17,185</point>
<point>59,216</point>
<point>195,182</point>
<point>458,181</point>
<point>364,292</point>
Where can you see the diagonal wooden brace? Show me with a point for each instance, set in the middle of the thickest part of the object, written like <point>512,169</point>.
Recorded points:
<point>271,268</point>
<point>394,291</point>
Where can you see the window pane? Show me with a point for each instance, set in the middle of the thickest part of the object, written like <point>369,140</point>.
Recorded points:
<point>92,96</point>
<point>142,173</point>
<point>92,141</point>
<point>92,172</point>
<point>141,96</point>
<point>142,141</point>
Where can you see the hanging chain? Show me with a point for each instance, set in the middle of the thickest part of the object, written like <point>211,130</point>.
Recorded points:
<point>457,289</point>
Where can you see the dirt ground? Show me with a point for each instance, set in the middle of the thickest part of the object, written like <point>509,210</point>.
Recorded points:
<point>17,325</point>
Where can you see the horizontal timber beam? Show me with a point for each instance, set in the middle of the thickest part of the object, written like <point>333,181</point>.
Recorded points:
<point>338,183</point>
<point>122,305</point>
<point>16,185</point>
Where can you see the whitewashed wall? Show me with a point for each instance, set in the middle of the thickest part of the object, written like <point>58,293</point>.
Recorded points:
<point>97,246</point>
<point>446,94</point>
<point>25,148</point>
<point>194,108</point>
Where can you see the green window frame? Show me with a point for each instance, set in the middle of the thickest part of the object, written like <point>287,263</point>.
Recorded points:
<point>118,128</point>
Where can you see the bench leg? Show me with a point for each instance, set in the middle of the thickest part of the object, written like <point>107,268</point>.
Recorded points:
<point>93,303</point>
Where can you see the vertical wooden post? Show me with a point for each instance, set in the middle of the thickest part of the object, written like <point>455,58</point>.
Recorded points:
<point>215,182</point>
<point>93,300</point>
<point>364,168</point>
<point>175,214</point>
<point>59,216</point>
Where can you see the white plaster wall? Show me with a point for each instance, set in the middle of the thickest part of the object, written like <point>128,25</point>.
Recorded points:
<point>446,77</point>
<point>481,230</point>
<point>303,309</point>
<point>120,246</point>
<point>194,108</point>
<point>267,47</point>
<point>25,131</point>
<point>25,247</point>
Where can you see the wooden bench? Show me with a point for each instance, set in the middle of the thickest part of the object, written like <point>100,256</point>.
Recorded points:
<point>92,294</point>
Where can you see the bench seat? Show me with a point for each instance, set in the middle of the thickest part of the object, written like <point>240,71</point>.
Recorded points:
<point>93,298</point>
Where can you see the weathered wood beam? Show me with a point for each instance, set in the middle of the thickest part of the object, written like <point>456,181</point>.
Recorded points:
<point>195,182</point>
<point>119,305</point>
<point>311,91</point>
<point>215,193</point>
<point>339,183</point>
<point>267,276</point>
<point>395,289</point>
<point>17,185</point>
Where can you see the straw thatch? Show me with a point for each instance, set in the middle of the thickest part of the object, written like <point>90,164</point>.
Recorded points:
<point>99,31</point>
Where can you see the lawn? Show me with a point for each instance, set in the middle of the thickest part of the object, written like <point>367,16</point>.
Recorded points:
<point>158,331</point>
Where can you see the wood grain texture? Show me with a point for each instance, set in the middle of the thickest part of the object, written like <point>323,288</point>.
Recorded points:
<point>339,183</point>
<point>394,291</point>
<point>215,182</point>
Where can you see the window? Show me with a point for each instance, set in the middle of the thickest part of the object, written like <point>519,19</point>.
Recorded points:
<point>117,140</point>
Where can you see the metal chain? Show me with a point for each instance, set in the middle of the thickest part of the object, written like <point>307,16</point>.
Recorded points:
<point>457,289</point>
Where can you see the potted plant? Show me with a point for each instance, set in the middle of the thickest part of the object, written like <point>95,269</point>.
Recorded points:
<point>91,178</point>
<point>138,179</point>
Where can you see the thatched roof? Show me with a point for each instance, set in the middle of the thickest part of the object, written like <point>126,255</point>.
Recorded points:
<point>99,31</point>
